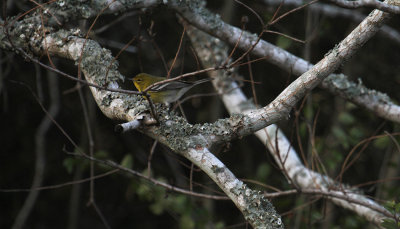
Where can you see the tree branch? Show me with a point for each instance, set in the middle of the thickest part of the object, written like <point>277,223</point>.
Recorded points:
<point>335,11</point>
<point>195,13</point>
<point>213,25</point>
<point>274,139</point>
<point>383,6</point>
<point>191,141</point>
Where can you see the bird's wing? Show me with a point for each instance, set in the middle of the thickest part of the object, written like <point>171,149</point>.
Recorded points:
<point>174,85</point>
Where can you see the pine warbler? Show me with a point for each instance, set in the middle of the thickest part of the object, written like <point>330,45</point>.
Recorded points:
<point>164,93</point>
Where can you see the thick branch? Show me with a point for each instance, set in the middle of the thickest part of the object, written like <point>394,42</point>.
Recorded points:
<point>223,130</point>
<point>384,6</point>
<point>257,210</point>
<point>191,141</point>
<point>210,23</point>
<point>335,11</point>
<point>274,139</point>
<point>195,13</point>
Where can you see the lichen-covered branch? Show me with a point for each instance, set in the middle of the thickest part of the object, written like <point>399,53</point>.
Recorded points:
<point>223,130</point>
<point>196,14</point>
<point>191,141</point>
<point>211,50</point>
<point>384,6</point>
<point>212,24</point>
<point>122,107</point>
<point>375,101</point>
<point>257,210</point>
<point>335,11</point>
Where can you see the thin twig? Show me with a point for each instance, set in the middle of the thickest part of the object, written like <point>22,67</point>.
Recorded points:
<point>118,54</point>
<point>191,178</point>
<point>76,79</point>
<point>66,184</point>
<point>285,35</point>
<point>153,147</point>
<point>177,52</point>
<point>290,12</point>
<point>152,180</point>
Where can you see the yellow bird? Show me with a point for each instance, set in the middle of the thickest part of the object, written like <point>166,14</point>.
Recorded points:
<point>164,93</point>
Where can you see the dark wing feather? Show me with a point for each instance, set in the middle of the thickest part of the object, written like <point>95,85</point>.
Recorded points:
<point>174,85</point>
<point>179,84</point>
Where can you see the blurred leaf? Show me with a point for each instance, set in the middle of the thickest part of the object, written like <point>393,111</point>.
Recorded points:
<point>350,106</point>
<point>186,222</point>
<point>303,129</point>
<point>101,154</point>
<point>127,161</point>
<point>219,225</point>
<point>179,204</point>
<point>283,42</point>
<point>356,133</point>
<point>397,208</point>
<point>341,135</point>
<point>157,208</point>
<point>308,112</point>
<point>346,118</point>
<point>145,192</point>
<point>69,164</point>
<point>389,224</point>
<point>382,142</point>
<point>389,205</point>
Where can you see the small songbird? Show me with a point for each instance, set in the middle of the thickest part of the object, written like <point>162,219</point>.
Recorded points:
<point>164,93</point>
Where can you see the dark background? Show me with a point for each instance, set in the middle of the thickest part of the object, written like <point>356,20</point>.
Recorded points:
<point>128,202</point>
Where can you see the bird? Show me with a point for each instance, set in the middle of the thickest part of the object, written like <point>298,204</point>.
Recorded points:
<point>164,93</point>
